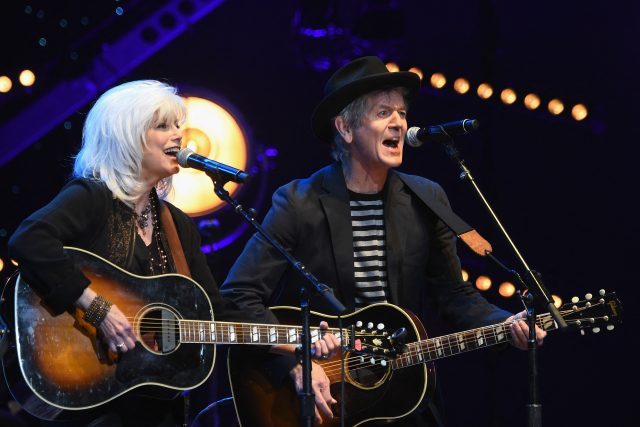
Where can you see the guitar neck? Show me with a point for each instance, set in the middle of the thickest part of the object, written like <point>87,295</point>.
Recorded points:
<point>212,332</point>
<point>461,342</point>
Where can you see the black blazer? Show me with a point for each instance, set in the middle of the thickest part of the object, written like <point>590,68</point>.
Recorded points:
<point>311,219</point>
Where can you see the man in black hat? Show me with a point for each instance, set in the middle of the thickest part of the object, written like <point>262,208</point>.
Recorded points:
<point>371,233</point>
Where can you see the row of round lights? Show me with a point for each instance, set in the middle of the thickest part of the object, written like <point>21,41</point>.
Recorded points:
<point>508,96</point>
<point>26,78</point>
<point>506,289</point>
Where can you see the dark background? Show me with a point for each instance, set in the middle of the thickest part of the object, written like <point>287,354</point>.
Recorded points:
<point>564,189</point>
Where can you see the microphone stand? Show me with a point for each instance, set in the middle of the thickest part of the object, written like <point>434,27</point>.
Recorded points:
<point>531,281</point>
<point>307,408</point>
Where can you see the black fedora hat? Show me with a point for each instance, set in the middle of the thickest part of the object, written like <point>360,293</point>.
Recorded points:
<point>358,77</point>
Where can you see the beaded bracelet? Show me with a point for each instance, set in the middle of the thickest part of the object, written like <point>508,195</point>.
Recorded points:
<point>97,311</point>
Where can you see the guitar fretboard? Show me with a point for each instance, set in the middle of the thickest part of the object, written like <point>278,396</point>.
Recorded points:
<point>203,332</point>
<point>449,345</point>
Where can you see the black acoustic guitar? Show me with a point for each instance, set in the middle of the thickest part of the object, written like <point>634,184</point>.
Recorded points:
<point>385,385</point>
<point>55,365</point>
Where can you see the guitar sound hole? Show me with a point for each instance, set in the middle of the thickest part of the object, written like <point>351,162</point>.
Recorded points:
<point>365,374</point>
<point>159,331</point>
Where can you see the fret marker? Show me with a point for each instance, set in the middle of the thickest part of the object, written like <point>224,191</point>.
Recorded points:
<point>232,333</point>
<point>500,331</point>
<point>201,331</point>
<point>212,331</point>
<point>461,342</point>
<point>438,346</point>
<point>255,335</point>
<point>293,335</point>
<point>273,335</point>
<point>314,335</point>
<point>480,338</point>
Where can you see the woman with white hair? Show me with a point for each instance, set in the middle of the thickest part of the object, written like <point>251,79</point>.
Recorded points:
<point>113,208</point>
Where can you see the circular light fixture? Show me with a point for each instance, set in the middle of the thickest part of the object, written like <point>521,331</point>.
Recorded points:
<point>27,78</point>
<point>461,85</point>
<point>532,101</point>
<point>393,67</point>
<point>579,112</point>
<point>556,106</point>
<point>5,84</point>
<point>483,283</point>
<point>485,91</point>
<point>508,96</point>
<point>210,131</point>
<point>507,289</point>
<point>418,71</point>
<point>438,80</point>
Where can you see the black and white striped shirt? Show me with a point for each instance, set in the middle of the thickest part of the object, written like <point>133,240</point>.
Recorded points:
<point>369,248</point>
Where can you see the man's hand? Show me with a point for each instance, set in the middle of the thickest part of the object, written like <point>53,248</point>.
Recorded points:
<point>520,331</point>
<point>326,347</point>
<point>320,385</point>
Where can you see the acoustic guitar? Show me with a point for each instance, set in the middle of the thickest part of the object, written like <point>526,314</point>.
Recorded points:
<point>390,382</point>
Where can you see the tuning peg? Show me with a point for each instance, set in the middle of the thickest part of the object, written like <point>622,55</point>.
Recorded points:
<point>359,324</point>
<point>575,300</point>
<point>602,292</point>
<point>370,325</point>
<point>595,330</point>
<point>588,296</point>
<point>582,332</point>
<point>380,326</point>
<point>610,327</point>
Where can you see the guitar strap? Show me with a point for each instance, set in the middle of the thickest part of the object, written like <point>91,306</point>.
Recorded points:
<point>175,247</point>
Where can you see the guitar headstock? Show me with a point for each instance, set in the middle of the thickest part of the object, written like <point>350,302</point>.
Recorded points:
<point>597,313</point>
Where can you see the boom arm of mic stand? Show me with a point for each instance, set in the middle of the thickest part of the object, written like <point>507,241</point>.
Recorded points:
<point>532,281</point>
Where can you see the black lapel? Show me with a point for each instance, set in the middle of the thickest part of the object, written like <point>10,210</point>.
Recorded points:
<point>336,208</point>
<point>397,205</point>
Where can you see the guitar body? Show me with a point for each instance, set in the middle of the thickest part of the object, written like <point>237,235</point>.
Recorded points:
<point>56,363</point>
<point>371,391</point>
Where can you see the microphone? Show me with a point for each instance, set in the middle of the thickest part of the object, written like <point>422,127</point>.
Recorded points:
<point>187,158</point>
<point>440,133</point>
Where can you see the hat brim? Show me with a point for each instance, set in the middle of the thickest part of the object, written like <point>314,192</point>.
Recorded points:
<point>332,104</point>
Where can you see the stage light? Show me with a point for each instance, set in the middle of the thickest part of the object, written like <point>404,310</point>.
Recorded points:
<point>485,91</point>
<point>213,132</point>
<point>14,262</point>
<point>507,289</point>
<point>418,71</point>
<point>5,84</point>
<point>393,67</point>
<point>532,101</point>
<point>557,301</point>
<point>438,80</point>
<point>556,107</point>
<point>461,85</point>
<point>483,283</point>
<point>579,112</point>
<point>465,275</point>
<point>508,96</point>
<point>1,264</point>
<point>27,78</point>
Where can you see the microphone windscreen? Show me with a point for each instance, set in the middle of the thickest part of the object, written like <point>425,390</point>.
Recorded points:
<point>412,137</point>
<point>183,155</point>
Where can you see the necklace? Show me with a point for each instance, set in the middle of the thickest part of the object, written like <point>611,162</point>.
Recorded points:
<point>142,219</point>
<point>160,265</point>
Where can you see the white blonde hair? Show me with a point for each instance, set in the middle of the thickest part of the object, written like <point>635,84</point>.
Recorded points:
<point>115,132</point>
